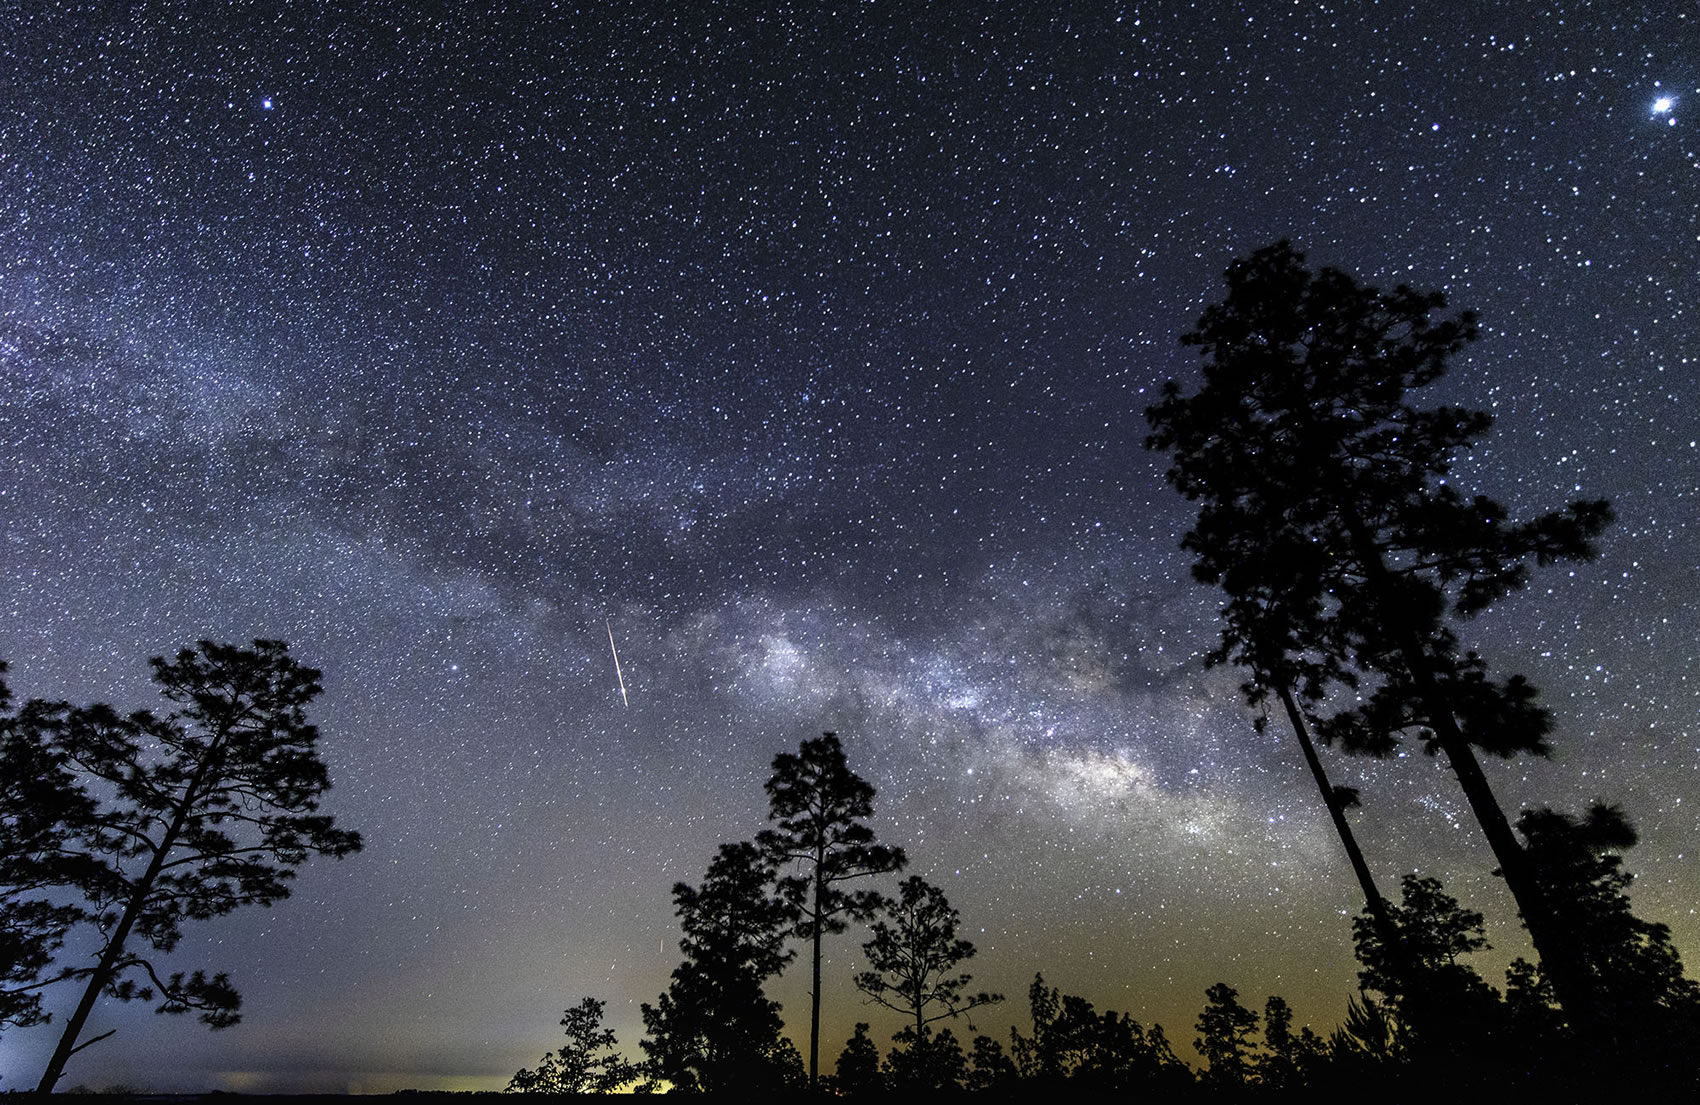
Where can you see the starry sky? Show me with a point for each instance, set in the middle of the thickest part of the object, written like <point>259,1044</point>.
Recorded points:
<point>806,347</point>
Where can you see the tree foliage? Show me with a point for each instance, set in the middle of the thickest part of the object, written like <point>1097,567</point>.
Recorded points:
<point>1302,436</point>
<point>823,840</point>
<point>857,1072</point>
<point>586,1063</point>
<point>1225,1030</point>
<point>1073,1044</point>
<point>206,808</point>
<point>1441,1004</point>
<point>1291,1060</point>
<point>1435,932</point>
<point>914,952</point>
<point>925,1061</point>
<point>41,805</point>
<point>1650,1005</point>
<point>1367,1041</point>
<point>715,1028</point>
<point>989,1069</point>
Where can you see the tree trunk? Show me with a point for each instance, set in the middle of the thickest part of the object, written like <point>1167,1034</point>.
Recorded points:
<point>814,993</point>
<point>1420,1009</point>
<point>814,1020</point>
<point>1552,943</point>
<point>114,950</point>
<point>109,957</point>
<point>1366,881</point>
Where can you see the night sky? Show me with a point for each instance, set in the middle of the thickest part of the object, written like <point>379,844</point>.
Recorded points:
<point>807,347</point>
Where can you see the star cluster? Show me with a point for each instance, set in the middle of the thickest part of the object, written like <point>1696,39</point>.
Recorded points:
<point>806,346</point>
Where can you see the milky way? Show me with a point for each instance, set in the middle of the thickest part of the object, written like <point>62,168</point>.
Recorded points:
<point>807,347</point>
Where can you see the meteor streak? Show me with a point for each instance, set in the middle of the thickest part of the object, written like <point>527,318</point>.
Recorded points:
<point>609,626</point>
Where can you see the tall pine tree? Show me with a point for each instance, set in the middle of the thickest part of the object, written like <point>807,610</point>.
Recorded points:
<point>1319,482</point>
<point>824,840</point>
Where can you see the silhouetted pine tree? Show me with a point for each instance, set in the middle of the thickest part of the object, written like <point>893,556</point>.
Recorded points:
<point>1273,626</point>
<point>914,952</point>
<point>857,1073</point>
<point>1225,1030</point>
<point>822,807</point>
<point>586,1063</point>
<point>1650,1009</point>
<point>210,808</point>
<point>1321,485</point>
<point>715,1029</point>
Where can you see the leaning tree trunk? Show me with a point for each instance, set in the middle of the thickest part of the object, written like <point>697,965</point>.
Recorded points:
<point>1366,881</point>
<point>1419,1009</point>
<point>114,951</point>
<point>98,980</point>
<point>1552,943</point>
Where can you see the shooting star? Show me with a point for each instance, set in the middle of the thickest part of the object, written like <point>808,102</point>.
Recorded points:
<point>617,674</point>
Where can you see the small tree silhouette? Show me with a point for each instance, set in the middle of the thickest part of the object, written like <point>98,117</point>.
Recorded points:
<point>715,1029</point>
<point>1460,1016</point>
<point>914,952</point>
<point>1433,928</point>
<point>926,1061</point>
<point>580,1066</point>
<point>857,1073</point>
<point>1225,1028</point>
<point>990,1070</point>
<point>1292,1060</point>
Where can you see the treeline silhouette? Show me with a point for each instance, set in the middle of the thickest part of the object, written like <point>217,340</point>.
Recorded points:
<point>1423,1017</point>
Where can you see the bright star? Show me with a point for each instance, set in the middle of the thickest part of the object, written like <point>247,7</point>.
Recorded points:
<point>1663,104</point>
<point>266,104</point>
